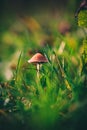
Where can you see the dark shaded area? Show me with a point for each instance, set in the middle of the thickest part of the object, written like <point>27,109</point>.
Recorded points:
<point>22,6</point>
<point>76,120</point>
<point>82,6</point>
<point>10,9</point>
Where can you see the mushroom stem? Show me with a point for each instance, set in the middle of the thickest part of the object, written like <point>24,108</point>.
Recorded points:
<point>38,70</point>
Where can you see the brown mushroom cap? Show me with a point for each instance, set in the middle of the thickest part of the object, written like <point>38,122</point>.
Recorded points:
<point>38,58</point>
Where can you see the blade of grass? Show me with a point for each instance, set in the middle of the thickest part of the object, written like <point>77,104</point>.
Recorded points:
<point>17,68</point>
<point>63,74</point>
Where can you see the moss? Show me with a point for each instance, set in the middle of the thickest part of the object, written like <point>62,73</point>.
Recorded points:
<point>82,18</point>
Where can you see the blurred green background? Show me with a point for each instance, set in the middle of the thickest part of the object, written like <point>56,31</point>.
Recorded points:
<point>25,25</point>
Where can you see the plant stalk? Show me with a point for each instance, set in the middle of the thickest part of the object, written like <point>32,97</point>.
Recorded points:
<point>38,70</point>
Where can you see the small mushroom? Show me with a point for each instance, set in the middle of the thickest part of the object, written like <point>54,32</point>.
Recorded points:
<point>38,59</point>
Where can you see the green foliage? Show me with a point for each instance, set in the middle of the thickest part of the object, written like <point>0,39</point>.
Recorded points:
<point>82,21</point>
<point>82,18</point>
<point>84,56</point>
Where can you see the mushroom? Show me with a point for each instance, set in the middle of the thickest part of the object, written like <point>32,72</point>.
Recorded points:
<point>38,59</point>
